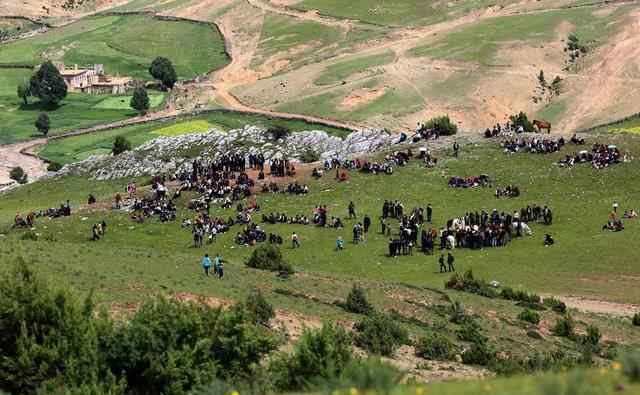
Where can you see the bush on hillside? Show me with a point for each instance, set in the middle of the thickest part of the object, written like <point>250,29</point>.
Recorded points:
<point>468,283</point>
<point>434,346</point>
<point>478,354</point>
<point>323,353</point>
<point>565,327</point>
<point>443,124</point>
<point>470,332</point>
<point>269,257</point>
<point>592,337</point>
<point>636,319</point>
<point>259,309</point>
<point>529,316</point>
<point>171,346</point>
<point>43,124</point>
<point>556,305</point>
<point>380,335</point>
<point>54,166</point>
<point>357,302</point>
<point>18,175</point>
<point>278,132</point>
<point>457,313</point>
<point>120,145</point>
<point>521,119</point>
<point>509,293</point>
<point>48,336</point>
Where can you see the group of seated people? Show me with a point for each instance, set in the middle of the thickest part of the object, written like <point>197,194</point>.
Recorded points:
<point>275,239</point>
<point>24,222</point>
<point>281,168</point>
<point>142,208</point>
<point>293,188</point>
<point>282,218</point>
<point>426,156</point>
<point>601,156</point>
<point>469,182</point>
<point>500,130</point>
<point>534,145</point>
<point>425,132</point>
<point>511,191</point>
<point>251,235</point>
<point>55,212</point>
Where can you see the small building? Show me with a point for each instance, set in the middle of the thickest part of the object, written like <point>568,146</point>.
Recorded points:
<point>93,80</point>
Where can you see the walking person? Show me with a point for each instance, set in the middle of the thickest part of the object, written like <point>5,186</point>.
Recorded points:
<point>218,266</point>
<point>450,261</point>
<point>383,225</point>
<point>443,268</point>
<point>456,148</point>
<point>366,224</point>
<point>429,212</point>
<point>206,264</point>
<point>339,244</point>
<point>295,240</point>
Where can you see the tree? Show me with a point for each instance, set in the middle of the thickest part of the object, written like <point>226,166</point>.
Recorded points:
<point>43,124</point>
<point>18,175</point>
<point>47,84</point>
<point>24,91</point>
<point>162,69</point>
<point>443,124</point>
<point>140,100</point>
<point>120,144</point>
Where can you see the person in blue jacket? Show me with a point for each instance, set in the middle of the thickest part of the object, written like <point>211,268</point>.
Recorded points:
<point>206,264</point>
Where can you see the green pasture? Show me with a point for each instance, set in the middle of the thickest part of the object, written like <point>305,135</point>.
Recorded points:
<point>586,260</point>
<point>124,102</point>
<point>77,148</point>
<point>480,41</point>
<point>126,45</point>
<point>77,110</point>
<point>339,71</point>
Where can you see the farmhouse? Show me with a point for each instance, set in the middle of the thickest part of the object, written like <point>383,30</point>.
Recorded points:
<point>93,80</point>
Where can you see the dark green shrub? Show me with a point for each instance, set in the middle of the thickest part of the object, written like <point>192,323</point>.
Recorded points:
<point>379,334</point>
<point>435,346</point>
<point>479,354</point>
<point>54,166</point>
<point>269,257</point>
<point>260,311</point>
<point>47,335</point>
<point>508,293</point>
<point>29,236</point>
<point>470,332</point>
<point>457,313</point>
<point>529,316</point>
<point>278,132</point>
<point>521,119</point>
<point>309,156</point>
<point>636,319</point>
<point>592,337</point>
<point>357,301</point>
<point>443,124</point>
<point>367,375</point>
<point>170,346</point>
<point>120,145</point>
<point>565,327</point>
<point>556,305</point>
<point>631,365</point>
<point>323,353</point>
<point>468,283</point>
<point>18,175</point>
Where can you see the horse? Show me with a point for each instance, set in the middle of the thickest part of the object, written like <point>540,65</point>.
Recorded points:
<point>542,125</point>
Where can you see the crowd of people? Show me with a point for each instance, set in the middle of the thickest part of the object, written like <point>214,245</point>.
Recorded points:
<point>601,156</point>
<point>507,129</point>
<point>282,218</point>
<point>293,188</point>
<point>510,191</point>
<point>534,145</point>
<point>482,180</point>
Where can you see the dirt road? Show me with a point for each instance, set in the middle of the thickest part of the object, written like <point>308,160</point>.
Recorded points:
<point>13,156</point>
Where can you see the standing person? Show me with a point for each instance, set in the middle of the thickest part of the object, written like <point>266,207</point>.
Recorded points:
<point>429,212</point>
<point>366,222</point>
<point>443,268</point>
<point>206,264</point>
<point>383,225</point>
<point>104,227</point>
<point>352,210</point>
<point>219,266</point>
<point>456,148</point>
<point>450,261</point>
<point>295,240</point>
<point>615,206</point>
<point>95,234</point>
<point>339,244</point>
<point>356,233</point>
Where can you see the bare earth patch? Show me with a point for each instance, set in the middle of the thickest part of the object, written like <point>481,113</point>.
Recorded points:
<point>361,97</point>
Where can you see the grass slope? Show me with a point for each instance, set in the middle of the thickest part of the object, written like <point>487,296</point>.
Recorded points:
<point>338,72</point>
<point>126,45</point>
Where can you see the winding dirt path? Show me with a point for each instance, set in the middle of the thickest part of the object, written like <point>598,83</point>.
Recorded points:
<point>13,155</point>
